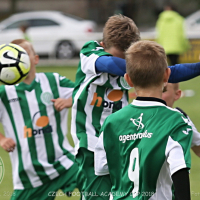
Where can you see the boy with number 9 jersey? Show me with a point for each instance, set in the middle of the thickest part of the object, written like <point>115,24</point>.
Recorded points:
<point>145,147</point>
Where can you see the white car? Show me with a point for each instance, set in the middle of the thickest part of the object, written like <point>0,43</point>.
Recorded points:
<point>192,23</point>
<point>52,33</point>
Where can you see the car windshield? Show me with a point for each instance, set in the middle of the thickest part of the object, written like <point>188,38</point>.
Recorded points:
<point>72,16</point>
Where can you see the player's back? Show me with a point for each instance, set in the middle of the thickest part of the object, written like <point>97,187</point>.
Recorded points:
<point>138,140</point>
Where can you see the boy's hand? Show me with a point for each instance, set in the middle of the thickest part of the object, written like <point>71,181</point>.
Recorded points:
<point>7,144</point>
<point>60,103</point>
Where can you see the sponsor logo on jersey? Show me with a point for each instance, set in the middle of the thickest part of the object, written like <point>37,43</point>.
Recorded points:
<point>46,98</point>
<point>2,170</point>
<point>135,136</point>
<point>138,122</point>
<point>113,102</point>
<point>14,100</point>
<point>41,126</point>
<point>187,131</point>
<point>124,83</point>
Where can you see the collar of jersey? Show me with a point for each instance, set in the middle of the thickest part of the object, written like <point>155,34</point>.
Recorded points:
<point>29,87</point>
<point>148,101</point>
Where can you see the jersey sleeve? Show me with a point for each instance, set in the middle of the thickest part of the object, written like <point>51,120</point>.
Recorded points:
<point>111,65</point>
<point>184,72</point>
<point>101,164</point>
<point>88,56</point>
<point>178,147</point>
<point>66,86</point>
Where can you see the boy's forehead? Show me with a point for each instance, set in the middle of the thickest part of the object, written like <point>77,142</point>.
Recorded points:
<point>26,46</point>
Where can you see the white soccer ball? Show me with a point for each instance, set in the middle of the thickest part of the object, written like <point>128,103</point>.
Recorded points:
<point>14,64</point>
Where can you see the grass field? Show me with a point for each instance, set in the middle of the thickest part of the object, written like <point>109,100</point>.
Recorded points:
<point>189,104</point>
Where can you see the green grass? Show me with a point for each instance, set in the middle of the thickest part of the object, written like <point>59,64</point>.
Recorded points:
<point>189,104</point>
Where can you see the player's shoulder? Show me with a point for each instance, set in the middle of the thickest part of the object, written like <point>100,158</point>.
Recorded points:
<point>2,90</point>
<point>91,44</point>
<point>55,76</point>
<point>176,116</point>
<point>41,75</point>
<point>93,47</point>
<point>181,111</point>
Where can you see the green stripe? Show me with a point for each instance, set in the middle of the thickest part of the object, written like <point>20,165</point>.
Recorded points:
<point>47,136</point>
<point>55,92</point>
<point>81,116</point>
<point>97,111</point>
<point>81,120</point>
<point>31,140</point>
<point>22,173</point>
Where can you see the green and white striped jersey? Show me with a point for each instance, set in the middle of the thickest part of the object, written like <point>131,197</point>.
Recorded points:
<point>28,116</point>
<point>95,96</point>
<point>142,146</point>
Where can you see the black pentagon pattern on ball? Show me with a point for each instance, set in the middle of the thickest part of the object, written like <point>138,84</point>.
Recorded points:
<point>13,64</point>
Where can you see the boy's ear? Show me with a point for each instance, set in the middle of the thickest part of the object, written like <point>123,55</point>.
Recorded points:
<point>102,44</point>
<point>177,95</point>
<point>128,80</point>
<point>36,59</point>
<point>166,75</point>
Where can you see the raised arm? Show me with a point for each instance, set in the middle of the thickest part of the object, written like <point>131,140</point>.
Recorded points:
<point>184,72</point>
<point>111,65</point>
<point>117,66</point>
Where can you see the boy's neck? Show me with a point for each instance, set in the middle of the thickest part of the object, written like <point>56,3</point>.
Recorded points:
<point>31,76</point>
<point>150,92</point>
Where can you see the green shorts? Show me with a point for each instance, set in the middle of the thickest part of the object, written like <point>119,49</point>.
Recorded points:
<point>91,187</point>
<point>66,182</point>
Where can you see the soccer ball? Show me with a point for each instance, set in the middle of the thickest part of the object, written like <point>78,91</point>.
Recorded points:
<point>14,64</point>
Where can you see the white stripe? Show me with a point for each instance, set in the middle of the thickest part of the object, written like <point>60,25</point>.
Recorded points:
<point>90,131</point>
<point>147,103</point>
<point>151,103</point>
<point>64,92</point>
<point>19,122</point>
<point>163,185</point>
<point>174,162</point>
<point>64,114</point>
<point>64,160</point>
<point>39,139</point>
<point>13,155</point>
<point>88,63</point>
<point>175,156</point>
<point>74,113</point>
<point>100,158</point>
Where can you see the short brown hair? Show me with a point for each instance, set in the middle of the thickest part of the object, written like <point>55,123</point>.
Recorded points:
<point>146,63</point>
<point>119,32</point>
<point>20,41</point>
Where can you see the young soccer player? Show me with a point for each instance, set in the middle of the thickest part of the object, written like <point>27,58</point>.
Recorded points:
<point>100,90</point>
<point>171,94</point>
<point>145,146</point>
<point>35,132</point>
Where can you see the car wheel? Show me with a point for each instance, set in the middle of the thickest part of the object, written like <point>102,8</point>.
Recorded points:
<point>64,50</point>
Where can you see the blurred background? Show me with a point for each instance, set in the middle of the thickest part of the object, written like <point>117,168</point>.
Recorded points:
<point>99,11</point>
<point>55,36</point>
